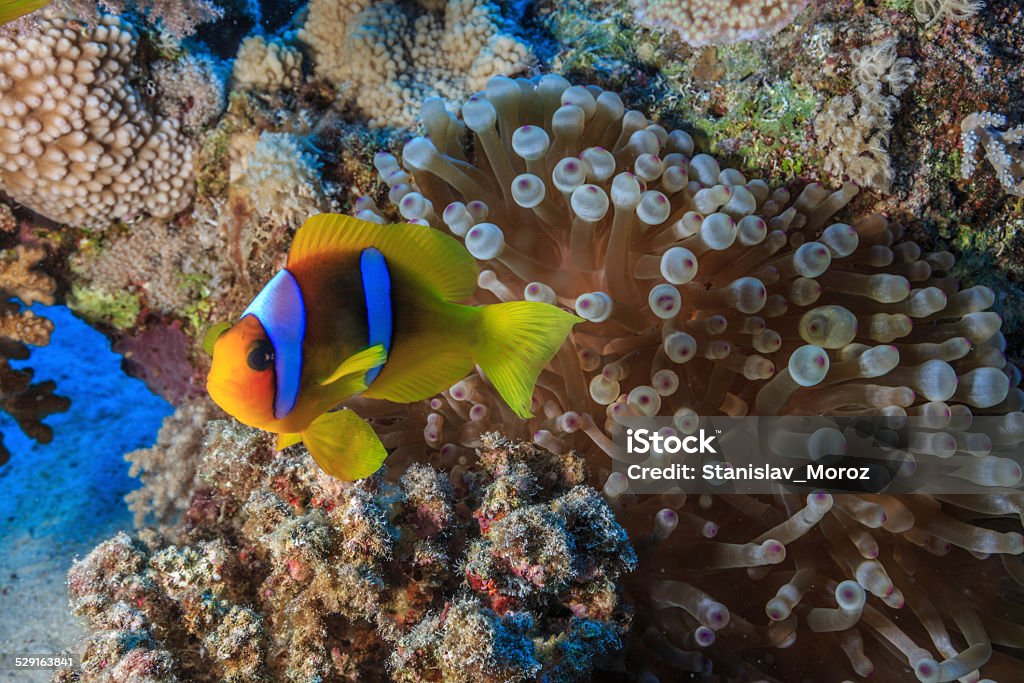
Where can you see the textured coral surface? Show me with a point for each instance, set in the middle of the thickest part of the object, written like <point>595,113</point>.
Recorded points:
<point>506,570</point>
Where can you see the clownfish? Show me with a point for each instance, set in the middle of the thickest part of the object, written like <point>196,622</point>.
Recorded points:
<point>15,9</point>
<point>369,309</point>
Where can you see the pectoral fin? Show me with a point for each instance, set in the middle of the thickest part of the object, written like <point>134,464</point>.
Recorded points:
<point>344,445</point>
<point>358,364</point>
<point>213,334</point>
<point>286,440</point>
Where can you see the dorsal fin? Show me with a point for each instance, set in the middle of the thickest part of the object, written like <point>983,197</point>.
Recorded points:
<point>437,260</point>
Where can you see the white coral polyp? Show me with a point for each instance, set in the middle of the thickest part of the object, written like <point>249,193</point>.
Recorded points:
<point>77,141</point>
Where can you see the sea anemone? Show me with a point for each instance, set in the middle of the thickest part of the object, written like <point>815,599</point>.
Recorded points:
<point>706,293</point>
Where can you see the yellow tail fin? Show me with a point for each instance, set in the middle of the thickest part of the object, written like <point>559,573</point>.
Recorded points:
<point>517,339</point>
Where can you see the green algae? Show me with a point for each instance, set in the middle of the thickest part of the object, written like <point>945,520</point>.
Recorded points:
<point>119,310</point>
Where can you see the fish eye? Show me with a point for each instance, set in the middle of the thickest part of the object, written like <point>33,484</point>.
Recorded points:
<point>261,356</point>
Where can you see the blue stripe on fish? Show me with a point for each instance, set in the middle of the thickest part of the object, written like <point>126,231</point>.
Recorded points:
<point>281,310</point>
<point>377,290</point>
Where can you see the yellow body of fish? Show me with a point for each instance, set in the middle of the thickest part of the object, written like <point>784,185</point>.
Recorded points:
<point>371,309</point>
<point>14,9</point>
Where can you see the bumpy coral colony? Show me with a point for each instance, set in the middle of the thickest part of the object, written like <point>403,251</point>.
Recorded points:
<point>506,571</point>
<point>710,294</point>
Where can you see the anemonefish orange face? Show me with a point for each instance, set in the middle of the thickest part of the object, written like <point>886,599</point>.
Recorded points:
<point>257,363</point>
<point>241,379</point>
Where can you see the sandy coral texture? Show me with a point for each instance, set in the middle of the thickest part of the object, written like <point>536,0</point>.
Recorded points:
<point>79,142</point>
<point>387,57</point>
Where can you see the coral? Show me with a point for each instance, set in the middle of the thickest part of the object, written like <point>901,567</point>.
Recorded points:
<point>282,180</point>
<point>853,130</point>
<point>24,401</point>
<point>710,294</point>
<point>190,90</point>
<point>387,57</point>
<point>283,573</point>
<point>163,263</point>
<point>1003,149</point>
<point>714,22</point>
<point>80,144</point>
<point>19,277</point>
<point>267,66</point>
<point>167,469</point>
<point>8,223</point>
<point>932,11</point>
<point>178,18</point>
<point>119,310</point>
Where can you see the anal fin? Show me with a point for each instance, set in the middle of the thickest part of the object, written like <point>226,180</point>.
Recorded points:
<point>344,445</point>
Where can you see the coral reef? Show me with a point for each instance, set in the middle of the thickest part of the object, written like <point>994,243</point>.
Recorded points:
<point>79,143</point>
<point>387,57</point>
<point>713,22</point>
<point>27,402</point>
<point>190,89</point>
<point>1003,149</point>
<point>158,261</point>
<point>706,293</point>
<point>267,65</point>
<point>710,294</point>
<point>281,572</point>
<point>159,354</point>
<point>853,130</point>
<point>178,18</point>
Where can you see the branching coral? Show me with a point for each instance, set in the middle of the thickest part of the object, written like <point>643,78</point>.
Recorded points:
<point>387,57</point>
<point>26,402</point>
<point>1003,149</point>
<point>80,143</point>
<point>505,571</point>
<point>714,22</point>
<point>267,66</point>
<point>710,294</point>
<point>853,130</point>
